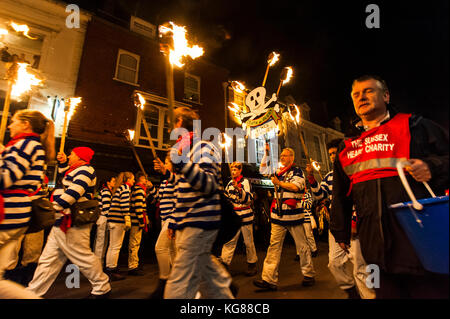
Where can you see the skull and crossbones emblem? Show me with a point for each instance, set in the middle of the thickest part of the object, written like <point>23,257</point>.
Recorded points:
<point>256,102</point>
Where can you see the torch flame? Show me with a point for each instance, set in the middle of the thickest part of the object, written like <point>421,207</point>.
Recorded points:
<point>315,165</point>
<point>227,142</point>
<point>297,115</point>
<point>141,102</point>
<point>73,103</point>
<point>290,114</point>
<point>273,58</point>
<point>3,31</point>
<point>238,86</point>
<point>236,110</point>
<point>181,47</point>
<point>22,28</point>
<point>24,81</point>
<point>131,134</point>
<point>289,74</point>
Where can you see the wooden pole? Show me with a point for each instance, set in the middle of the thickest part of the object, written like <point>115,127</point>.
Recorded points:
<point>63,134</point>
<point>147,131</point>
<point>279,87</point>
<point>5,112</point>
<point>170,90</point>
<point>265,76</point>
<point>136,155</point>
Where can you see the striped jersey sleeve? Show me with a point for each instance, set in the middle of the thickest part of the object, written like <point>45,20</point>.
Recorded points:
<point>78,187</point>
<point>241,201</point>
<point>21,169</point>
<point>105,200</point>
<point>120,205</point>
<point>166,197</point>
<point>138,206</point>
<point>325,189</point>
<point>196,184</point>
<point>306,203</point>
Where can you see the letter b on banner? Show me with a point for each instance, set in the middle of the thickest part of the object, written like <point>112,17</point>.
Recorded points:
<point>373,278</point>
<point>73,279</point>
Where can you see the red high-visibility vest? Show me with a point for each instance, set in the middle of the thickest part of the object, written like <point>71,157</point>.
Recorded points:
<point>376,152</point>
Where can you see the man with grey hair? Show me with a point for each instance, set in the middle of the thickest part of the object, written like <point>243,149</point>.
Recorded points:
<point>286,215</point>
<point>365,176</point>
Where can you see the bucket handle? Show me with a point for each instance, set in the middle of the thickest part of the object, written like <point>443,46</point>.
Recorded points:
<point>416,205</point>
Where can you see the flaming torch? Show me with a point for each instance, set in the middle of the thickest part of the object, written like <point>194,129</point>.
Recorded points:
<point>175,47</point>
<point>130,138</point>
<point>19,83</point>
<point>69,109</point>
<point>316,166</point>
<point>21,28</point>
<point>285,77</point>
<point>273,58</point>
<point>139,101</point>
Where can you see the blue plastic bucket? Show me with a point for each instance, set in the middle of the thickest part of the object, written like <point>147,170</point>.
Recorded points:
<point>427,229</point>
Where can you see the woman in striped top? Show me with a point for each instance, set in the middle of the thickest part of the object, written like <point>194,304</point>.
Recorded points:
<point>67,241</point>
<point>239,191</point>
<point>105,204</point>
<point>165,246</point>
<point>119,221</point>
<point>22,166</point>
<point>138,222</point>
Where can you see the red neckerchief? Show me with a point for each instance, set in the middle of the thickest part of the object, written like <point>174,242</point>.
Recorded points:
<point>75,166</point>
<point>185,140</point>
<point>143,187</point>
<point>19,137</point>
<point>284,170</point>
<point>238,180</point>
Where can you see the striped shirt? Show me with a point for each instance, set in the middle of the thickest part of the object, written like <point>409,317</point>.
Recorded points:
<point>241,202</point>
<point>290,216</point>
<point>325,189</point>
<point>138,206</point>
<point>120,205</point>
<point>22,167</point>
<point>196,184</point>
<point>105,200</point>
<point>78,187</point>
<point>306,203</point>
<point>166,197</point>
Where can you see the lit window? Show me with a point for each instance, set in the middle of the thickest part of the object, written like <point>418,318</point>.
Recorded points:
<point>127,67</point>
<point>192,88</point>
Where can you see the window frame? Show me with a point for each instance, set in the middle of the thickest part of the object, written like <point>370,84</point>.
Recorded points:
<point>198,78</point>
<point>135,56</point>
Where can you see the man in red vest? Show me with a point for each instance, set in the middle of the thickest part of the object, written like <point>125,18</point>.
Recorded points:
<point>365,175</point>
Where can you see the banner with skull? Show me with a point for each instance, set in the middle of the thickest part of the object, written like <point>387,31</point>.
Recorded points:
<point>261,116</point>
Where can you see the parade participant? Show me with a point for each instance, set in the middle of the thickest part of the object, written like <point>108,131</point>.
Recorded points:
<point>306,204</point>
<point>138,215</point>
<point>353,282</point>
<point>239,191</point>
<point>67,241</point>
<point>165,246</point>
<point>105,205</point>
<point>119,221</point>
<point>289,217</point>
<point>196,216</point>
<point>22,166</point>
<point>365,176</point>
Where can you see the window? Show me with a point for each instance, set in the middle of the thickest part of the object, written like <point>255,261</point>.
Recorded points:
<point>191,88</point>
<point>127,67</point>
<point>317,147</point>
<point>155,115</point>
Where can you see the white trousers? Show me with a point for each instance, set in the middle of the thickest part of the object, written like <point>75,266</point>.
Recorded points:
<point>165,251</point>
<point>310,236</point>
<point>101,237</point>
<point>272,260</point>
<point>116,235</point>
<point>8,247</point>
<point>75,246</point>
<point>31,245</point>
<point>340,267</point>
<point>196,269</point>
<point>133,247</point>
<point>229,248</point>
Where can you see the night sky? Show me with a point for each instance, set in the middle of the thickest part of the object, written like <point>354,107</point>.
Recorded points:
<point>326,43</point>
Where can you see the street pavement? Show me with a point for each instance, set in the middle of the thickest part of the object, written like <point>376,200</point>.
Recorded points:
<point>289,286</point>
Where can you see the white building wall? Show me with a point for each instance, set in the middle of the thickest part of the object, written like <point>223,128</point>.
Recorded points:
<point>60,52</point>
